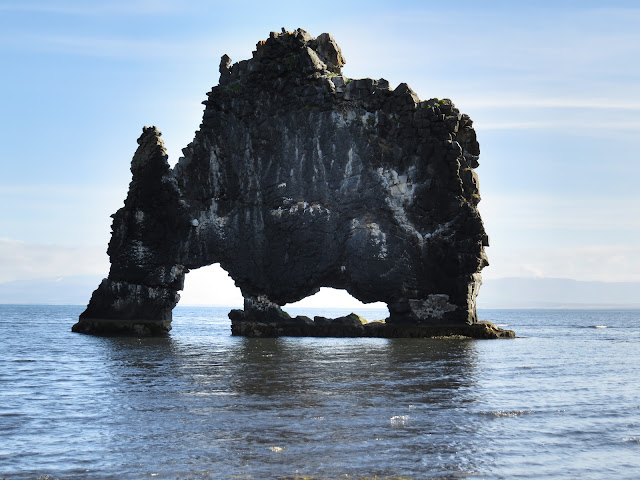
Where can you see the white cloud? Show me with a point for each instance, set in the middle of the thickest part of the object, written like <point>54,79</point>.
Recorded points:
<point>29,260</point>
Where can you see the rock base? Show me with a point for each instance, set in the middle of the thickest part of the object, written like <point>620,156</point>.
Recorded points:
<point>108,327</point>
<point>355,326</point>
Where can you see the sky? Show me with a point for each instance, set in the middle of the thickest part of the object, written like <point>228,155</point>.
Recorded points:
<point>552,87</point>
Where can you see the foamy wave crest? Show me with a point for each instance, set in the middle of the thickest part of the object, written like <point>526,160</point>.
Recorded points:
<point>399,421</point>
<point>507,413</point>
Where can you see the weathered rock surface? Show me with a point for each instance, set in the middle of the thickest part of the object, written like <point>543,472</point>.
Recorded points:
<point>300,178</point>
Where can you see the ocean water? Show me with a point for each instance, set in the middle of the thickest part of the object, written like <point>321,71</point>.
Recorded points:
<point>562,401</point>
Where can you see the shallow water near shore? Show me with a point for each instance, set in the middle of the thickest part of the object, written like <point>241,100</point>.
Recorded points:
<point>561,401</point>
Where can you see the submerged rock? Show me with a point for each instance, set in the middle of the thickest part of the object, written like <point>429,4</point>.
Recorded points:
<point>300,178</point>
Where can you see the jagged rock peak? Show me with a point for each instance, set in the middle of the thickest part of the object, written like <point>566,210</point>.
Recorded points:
<point>287,53</point>
<point>151,150</point>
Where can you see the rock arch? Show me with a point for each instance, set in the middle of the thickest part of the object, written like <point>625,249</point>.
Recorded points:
<point>210,286</point>
<point>300,178</point>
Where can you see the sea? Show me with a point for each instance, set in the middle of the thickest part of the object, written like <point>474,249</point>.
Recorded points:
<point>561,401</point>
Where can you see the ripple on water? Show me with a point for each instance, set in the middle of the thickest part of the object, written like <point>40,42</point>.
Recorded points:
<point>507,413</point>
<point>559,402</point>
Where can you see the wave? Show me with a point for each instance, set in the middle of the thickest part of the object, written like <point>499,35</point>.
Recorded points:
<point>399,421</point>
<point>507,413</point>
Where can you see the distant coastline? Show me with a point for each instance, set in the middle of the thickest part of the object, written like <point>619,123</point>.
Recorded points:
<point>505,293</point>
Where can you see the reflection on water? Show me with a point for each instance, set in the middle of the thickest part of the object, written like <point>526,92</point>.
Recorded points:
<point>265,407</point>
<point>560,403</point>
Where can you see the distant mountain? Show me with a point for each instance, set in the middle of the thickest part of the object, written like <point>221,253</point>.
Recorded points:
<point>557,293</point>
<point>501,293</point>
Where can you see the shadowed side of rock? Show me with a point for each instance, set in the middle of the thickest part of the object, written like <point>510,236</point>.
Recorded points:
<point>147,233</point>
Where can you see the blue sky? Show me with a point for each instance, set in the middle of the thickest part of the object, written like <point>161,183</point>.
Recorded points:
<point>553,88</point>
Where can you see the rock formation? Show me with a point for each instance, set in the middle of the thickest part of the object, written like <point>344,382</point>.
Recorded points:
<point>300,178</point>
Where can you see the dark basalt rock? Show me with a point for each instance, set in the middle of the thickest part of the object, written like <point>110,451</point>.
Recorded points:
<point>301,178</point>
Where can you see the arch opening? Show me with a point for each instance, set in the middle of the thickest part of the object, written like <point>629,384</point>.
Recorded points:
<point>210,286</point>
<point>333,303</point>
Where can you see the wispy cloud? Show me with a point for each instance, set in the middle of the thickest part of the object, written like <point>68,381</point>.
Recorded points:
<point>54,190</point>
<point>115,47</point>
<point>562,126</point>
<point>608,263</point>
<point>555,213</point>
<point>548,103</point>
<point>58,214</point>
<point>112,7</point>
<point>29,260</point>
<point>563,236</point>
<point>581,116</point>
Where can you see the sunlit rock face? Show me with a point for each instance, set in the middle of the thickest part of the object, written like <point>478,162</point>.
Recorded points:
<point>300,178</point>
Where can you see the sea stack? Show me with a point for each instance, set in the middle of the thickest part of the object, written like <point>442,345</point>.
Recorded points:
<point>301,178</point>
